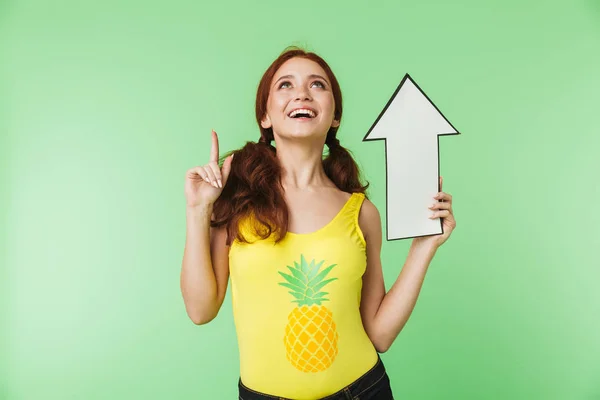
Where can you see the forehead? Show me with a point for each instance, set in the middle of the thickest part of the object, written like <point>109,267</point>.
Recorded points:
<point>299,66</point>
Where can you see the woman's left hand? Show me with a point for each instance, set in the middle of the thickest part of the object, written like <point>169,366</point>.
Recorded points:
<point>442,208</point>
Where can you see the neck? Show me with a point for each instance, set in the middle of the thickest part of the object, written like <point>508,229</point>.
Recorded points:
<point>302,165</point>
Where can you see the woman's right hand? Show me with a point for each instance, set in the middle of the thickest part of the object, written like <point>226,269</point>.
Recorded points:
<point>204,184</point>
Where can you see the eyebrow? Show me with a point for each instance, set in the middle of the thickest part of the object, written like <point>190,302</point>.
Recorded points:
<point>310,77</point>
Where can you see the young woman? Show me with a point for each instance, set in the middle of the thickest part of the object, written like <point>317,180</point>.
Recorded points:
<point>301,243</point>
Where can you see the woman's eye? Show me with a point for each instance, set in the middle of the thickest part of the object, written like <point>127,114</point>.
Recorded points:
<point>281,85</point>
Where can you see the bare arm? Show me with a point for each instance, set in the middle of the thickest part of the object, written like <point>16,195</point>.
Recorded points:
<point>385,314</point>
<point>205,266</point>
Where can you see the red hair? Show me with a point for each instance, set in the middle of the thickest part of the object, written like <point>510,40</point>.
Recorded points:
<point>254,183</point>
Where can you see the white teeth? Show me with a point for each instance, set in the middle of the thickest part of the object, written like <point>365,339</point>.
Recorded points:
<point>302,111</point>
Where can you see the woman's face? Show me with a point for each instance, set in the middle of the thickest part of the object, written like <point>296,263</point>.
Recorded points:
<point>300,84</point>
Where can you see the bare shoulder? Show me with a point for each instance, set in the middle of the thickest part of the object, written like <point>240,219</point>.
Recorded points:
<point>369,219</point>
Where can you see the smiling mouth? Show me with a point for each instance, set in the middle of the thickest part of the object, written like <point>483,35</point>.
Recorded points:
<point>302,118</point>
<point>302,114</point>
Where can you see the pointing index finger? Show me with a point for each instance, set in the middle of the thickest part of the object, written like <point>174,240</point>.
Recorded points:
<point>214,148</point>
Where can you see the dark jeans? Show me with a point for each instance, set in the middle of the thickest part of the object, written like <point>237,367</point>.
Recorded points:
<point>373,385</point>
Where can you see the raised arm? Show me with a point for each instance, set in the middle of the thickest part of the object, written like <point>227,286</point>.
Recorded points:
<point>385,314</point>
<point>205,265</point>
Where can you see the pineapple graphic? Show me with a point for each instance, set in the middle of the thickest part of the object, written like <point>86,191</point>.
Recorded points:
<point>310,336</point>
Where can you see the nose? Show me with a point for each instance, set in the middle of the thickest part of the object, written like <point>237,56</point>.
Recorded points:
<point>303,94</point>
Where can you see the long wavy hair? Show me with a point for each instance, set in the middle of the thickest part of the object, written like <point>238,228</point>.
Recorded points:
<point>254,182</point>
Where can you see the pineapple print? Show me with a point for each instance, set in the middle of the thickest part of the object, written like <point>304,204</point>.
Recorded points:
<point>310,336</point>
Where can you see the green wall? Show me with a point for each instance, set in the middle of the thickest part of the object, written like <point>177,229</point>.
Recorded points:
<point>105,105</point>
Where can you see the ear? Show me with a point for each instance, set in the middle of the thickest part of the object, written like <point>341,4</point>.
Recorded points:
<point>335,123</point>
<point>266,122</point>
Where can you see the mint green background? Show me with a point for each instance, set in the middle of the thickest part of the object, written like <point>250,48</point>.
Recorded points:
<point>104,106</point>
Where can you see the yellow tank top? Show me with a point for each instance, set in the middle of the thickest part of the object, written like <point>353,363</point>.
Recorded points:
<point>296,308</point>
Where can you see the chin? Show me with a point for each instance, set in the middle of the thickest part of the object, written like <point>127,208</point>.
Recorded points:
<point>305,134</point>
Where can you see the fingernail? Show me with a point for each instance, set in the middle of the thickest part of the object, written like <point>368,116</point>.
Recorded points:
<point>220,183</point>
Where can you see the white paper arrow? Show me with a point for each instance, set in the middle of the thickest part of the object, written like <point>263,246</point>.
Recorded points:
<point>410,124</point>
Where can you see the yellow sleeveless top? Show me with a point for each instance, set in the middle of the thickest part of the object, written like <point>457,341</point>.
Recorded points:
<point>296,308</point>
